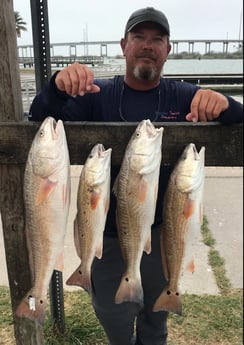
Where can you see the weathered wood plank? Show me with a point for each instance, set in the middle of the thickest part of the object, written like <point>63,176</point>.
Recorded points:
<point>10,90</point>
<point>224,144</point>
<point>12,213</point>
<point>11,180</point>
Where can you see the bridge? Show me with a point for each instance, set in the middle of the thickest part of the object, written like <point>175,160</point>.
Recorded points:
<point>74,48</point>
<point>61,61</point>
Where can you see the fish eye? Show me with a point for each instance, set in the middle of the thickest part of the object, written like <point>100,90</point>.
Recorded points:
<point>42,132</point>
<point>138,133</point>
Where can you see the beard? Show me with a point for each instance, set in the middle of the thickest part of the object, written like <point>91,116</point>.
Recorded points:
<point>146,73</point>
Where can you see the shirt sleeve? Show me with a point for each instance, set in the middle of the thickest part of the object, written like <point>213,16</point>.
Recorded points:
<point>53,102</point>
<point>233,114</point>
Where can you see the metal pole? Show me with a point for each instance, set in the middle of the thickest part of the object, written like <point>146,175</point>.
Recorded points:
<point>57,301</point>
<point>41,44</point>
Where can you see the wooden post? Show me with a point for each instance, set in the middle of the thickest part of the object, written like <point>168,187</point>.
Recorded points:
<point>10,95</point>
<point>11,181</point>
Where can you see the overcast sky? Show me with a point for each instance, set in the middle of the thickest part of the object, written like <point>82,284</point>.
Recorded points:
<point>75,20</point>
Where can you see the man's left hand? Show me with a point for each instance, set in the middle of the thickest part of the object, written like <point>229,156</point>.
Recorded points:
<point>207,105</point>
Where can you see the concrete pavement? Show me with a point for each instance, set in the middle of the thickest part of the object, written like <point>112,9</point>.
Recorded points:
<point>223,207</point>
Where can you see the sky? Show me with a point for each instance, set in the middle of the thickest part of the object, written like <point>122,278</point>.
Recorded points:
<point>98,20</point>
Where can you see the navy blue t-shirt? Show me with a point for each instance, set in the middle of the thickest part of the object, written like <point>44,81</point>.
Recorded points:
<point>168,102</point>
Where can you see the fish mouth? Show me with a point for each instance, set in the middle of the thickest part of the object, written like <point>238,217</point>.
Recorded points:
<point>152,131</point>
<point>55,128</point>
<point>101,151</point>
<point>193,177</point>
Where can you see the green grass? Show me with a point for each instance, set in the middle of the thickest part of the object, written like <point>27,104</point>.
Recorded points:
<point>206,319</point>
<point>215,260</point>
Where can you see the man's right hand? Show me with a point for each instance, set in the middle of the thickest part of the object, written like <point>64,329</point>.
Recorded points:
<point>76,79</point>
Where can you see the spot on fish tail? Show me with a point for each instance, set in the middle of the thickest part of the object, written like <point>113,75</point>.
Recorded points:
<point>189,208</point>
<point>130,290</point>
<point>95,197</point>
<point>142,190</point>
<point>32,309</point>
<point>169,301</point>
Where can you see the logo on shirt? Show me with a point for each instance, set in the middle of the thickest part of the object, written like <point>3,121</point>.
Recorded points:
<point>170,115</point>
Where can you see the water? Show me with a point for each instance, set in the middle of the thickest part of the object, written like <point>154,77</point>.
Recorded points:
<point>191,66</point>
<point>117,66</point>
<point>211,66</point>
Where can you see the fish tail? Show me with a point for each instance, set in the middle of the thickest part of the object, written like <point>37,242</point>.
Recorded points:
<point>32,309</point>
<point>81,279</point>
<point>169,301</point>
<point>130,290</point>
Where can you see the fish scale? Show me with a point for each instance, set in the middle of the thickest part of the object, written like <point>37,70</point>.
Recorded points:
<point>93,199</point>
<point>182,219</point>
<point>47,199</point>
<point>136,189</point>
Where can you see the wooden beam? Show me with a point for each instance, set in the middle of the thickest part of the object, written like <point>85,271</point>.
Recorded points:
<point>11,181</point>
<point>10,90</point>
<point>224,143</point>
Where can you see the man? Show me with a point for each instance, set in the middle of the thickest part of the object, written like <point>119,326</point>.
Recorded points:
<point>73,94</point>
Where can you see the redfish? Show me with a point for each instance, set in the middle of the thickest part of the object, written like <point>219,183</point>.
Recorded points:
<point>47,200</point>
<point>92,207</point>
<point>182,219</point>
<point>136,189</point>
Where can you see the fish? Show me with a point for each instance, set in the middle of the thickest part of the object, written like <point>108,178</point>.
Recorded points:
<point>46,188</point>
<point>182,220</point>
<point>93,199</point>
<point>136,188</point>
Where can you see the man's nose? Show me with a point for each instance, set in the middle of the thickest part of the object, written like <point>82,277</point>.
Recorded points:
<point>147,43</point>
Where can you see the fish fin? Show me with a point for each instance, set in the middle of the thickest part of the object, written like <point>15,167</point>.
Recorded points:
<point>30,251</point>
<point>169,301</point>
<point>31,309</point>
<point>130,290</point>
<point>44,191</point>
<point>189,207</point>
<point>65,195</point>
<point>106,205</point>
<point>148,246</point>
<point>142,190</point>
<point>115,186</point>
<point>78,278</point>
<point>59,265</point>
<point>191,266</point>
<point>77,237</point>
<point>95,197</point>
<point>99,249</point>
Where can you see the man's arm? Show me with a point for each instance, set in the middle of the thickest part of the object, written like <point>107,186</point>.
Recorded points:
<point>209,105</point>
<point>61,90</point>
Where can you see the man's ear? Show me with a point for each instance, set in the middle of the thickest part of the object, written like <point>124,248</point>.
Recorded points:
<point>122,44</point>
<point>169,48</point>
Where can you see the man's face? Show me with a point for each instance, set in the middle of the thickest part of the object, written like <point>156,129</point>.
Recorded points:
<point>146,49</point>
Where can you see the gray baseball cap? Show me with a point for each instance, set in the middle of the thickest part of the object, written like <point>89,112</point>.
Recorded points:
<point>148,14</point>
